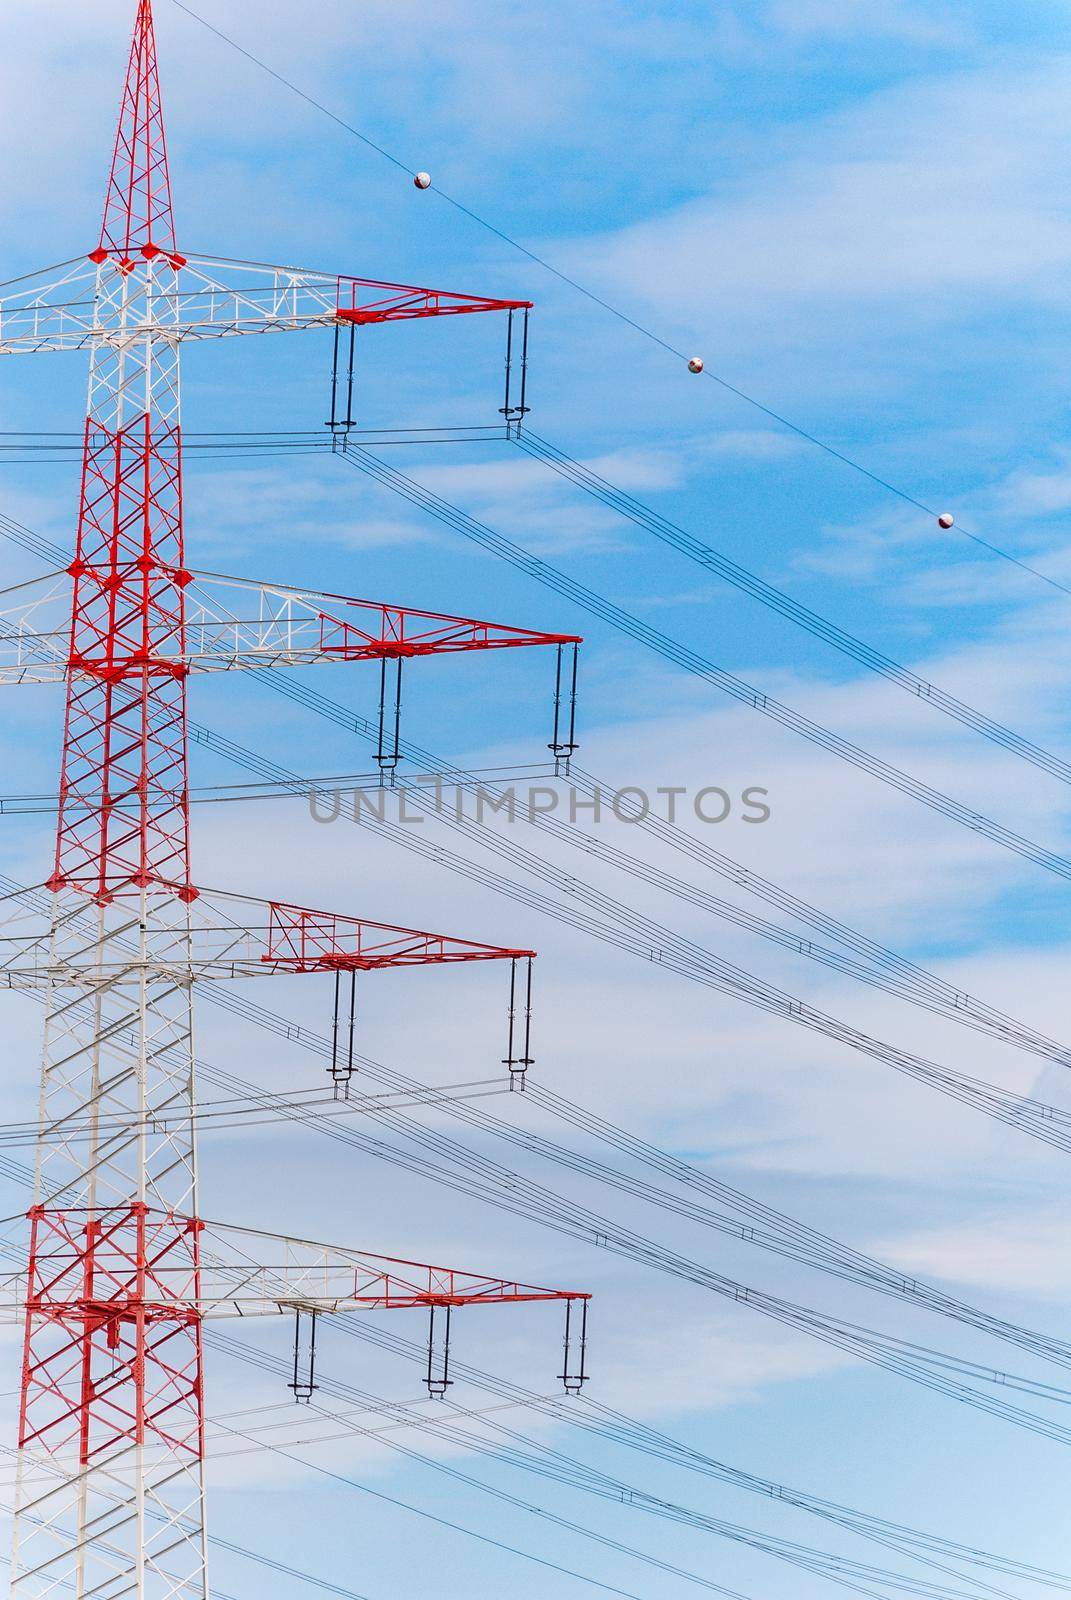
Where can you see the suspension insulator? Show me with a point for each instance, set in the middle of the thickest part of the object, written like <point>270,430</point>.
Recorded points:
<point>574,1373</point>
<point>342,1069</point>
<point>437,1378</point>
<point>388,746</point>
<point>518,1064</point>
<point>304,1383</point>
<point>563,743</point>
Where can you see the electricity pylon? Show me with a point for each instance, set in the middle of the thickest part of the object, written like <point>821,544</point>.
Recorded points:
<point>122,1268</point>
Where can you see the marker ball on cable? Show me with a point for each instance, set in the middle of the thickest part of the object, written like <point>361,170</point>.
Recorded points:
<point>945,520</point>
<point>695,364</point>
<point>422,180</point>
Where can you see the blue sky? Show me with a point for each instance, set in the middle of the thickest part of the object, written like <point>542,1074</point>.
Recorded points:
<point>856,212</point>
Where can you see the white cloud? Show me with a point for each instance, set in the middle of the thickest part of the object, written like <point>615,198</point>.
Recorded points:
<point>872,19</point>
<point>1007,1251</point>
<point>919,191</point>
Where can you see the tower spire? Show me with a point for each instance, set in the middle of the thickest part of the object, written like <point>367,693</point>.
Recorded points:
<point>138,218</point>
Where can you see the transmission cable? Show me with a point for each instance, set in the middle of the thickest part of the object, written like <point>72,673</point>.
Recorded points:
<point>652,942</point>
<point>910,981</point>
<point>558,1467</point>
<point>505,1184</point>
<point>640,1436</point>
<point>614,311</point>
<point>915,983</point>
<point>604,1423</point>
<point>699,666</point>
<point>820,627</point>
<point>506,1189</point>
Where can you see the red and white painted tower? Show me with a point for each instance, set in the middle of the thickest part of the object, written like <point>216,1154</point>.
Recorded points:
<point>117,1392</point>
<point>122,1273</point>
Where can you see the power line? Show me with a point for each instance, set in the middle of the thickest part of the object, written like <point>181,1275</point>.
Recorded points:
<point>627,506</point>
<point>621,316</point>
<point>711,560</point>
<point>554,1465</point>
<point>775,1231</point>
<point>609,1425</point>
<point>652,941</point>
<point>699,666</point>
<point>259,1359</point>
<point>21,805</point>
<point>481,1177</point>
<point>617,924</point>
<point>894,973</point>
<point>1041,1121</point>
<point>670,650</point>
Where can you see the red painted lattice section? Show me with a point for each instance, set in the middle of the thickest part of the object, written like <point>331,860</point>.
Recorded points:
<point>401,631</point>
<point>364,300</point>
<point>389,1283</point>
<point>124,815</point>
<point>138,214</point>
<point>113,1335</point>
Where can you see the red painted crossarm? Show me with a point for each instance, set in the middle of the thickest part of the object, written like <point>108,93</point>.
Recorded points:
<point>401,631</point>
<point>364,300</point>
<point>301,940</point>
<point>390,1283</point>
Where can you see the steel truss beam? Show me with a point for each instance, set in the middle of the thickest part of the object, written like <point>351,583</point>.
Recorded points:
<point>230,624</point>
<point>119,1285</point>
<point>209,297</point>
<point>221,935</point>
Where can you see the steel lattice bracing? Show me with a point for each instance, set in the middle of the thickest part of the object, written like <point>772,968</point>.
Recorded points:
<point>121,1271</point>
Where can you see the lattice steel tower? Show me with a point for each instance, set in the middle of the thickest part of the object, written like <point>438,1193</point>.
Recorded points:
<point>122,1273</point>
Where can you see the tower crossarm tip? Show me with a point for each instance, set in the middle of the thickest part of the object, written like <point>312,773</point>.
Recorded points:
<point>365,300</point>
<point>303,940</point>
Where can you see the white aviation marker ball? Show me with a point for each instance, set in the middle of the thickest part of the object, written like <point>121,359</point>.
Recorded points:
<point>695,364</point>
<point>945,520</point>
<point>422,180</point>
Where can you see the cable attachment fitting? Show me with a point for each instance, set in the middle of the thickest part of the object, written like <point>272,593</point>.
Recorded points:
<point>343,369</point>
<point>563,740</point>
<point>438,1378</point>
<point>304,1382</point>
<point>574,1373</point>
